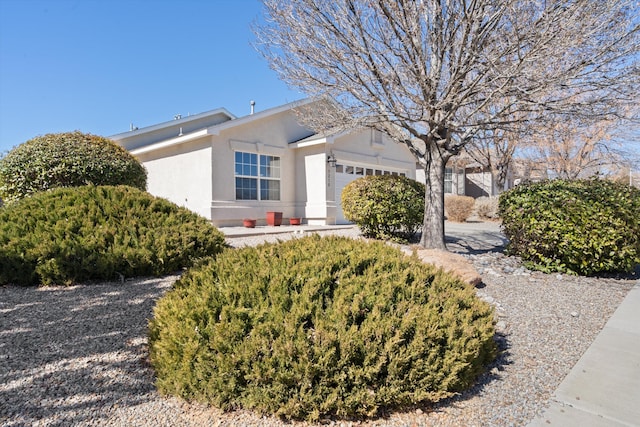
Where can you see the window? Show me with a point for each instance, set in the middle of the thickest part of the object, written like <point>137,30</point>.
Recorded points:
<point>448,180</point>
<point>257,176</point>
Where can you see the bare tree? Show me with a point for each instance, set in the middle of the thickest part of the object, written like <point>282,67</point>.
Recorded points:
<point>570,151</point>
<point>494,149</point>
<point>433,73</point>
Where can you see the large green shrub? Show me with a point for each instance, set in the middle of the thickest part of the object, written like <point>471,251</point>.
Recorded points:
<point>67,160</point>
<point>68,235</point>
<point>385,206</point>
<point>583,227</point>
<point>317,327</point>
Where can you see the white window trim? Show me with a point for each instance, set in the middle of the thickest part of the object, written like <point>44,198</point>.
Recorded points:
<point>258,178</point>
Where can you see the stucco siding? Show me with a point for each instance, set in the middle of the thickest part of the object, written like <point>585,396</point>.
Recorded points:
<point>182,174</point>
<point>368,148</point>
<point>269,136</point>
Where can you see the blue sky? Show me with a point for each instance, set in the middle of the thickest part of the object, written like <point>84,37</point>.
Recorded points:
<point>99,65</point>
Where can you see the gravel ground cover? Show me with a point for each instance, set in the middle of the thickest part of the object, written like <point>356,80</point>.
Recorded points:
<point>78,356</point>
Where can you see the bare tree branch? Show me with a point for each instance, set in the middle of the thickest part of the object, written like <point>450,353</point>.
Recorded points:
<point>435,74</point>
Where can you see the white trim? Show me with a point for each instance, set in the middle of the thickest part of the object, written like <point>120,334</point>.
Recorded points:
<point>170,142</point>
<point>256,147</point>
<point>216,129</point>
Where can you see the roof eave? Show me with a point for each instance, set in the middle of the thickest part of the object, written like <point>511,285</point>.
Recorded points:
<point>171,142</point>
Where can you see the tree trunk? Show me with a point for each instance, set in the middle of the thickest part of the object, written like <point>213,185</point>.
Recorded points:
<point>500,177</point>
<point>433,225</point>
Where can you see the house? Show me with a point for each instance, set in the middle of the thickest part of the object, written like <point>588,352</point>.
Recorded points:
<point>228,168</point>
<point>465,178</point>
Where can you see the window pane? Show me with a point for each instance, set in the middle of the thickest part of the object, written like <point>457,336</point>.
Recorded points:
<point>359,171</point>
<point>246,164</point>
<point>246,189</point>
<point>448,173</point>
<point>369,172</point>
<point>269,189</point>
<point>349,170</point>
<point>339,168</point>
<point>270,166</point>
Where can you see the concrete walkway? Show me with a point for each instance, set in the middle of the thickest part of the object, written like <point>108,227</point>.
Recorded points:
<point>602,389</point>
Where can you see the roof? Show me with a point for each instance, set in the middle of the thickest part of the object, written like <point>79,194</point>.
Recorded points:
<point>172,123</point>
<point>179,131</point>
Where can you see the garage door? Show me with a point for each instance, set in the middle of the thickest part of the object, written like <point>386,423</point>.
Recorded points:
<point>346,173</point>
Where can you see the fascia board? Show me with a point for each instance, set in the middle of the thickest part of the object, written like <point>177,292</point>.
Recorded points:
<point>171,142</point>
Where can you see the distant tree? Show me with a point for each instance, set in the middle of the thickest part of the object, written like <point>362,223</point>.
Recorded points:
<point>571,151</point>
<point>432,74</point>
<point>494,149</point>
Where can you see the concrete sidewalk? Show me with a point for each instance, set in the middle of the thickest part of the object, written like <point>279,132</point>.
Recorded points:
<point>469,237</point>
<point>603,388</point>
<point>263,230</point>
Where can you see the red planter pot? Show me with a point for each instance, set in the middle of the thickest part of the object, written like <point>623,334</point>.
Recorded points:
<point>295,221</point>
<point>274,218</point>
<point>249,223</point>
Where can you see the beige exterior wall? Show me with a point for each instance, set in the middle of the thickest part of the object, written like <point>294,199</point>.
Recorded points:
<point>181,174</point>
<point>371,149</point>
<point>269,136</point>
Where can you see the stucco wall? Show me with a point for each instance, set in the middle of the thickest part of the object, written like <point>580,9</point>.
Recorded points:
<point>270,136</point>
<point>368,149</point>
<point>182,174</point>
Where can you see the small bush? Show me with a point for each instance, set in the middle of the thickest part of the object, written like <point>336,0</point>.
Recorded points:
<point>69,235</point>
<point>582,227</point>
<point>458,208</point>
<point>385,206</point>
<point>487,207</point>
<point>67,160</point>
<point>317,327</point>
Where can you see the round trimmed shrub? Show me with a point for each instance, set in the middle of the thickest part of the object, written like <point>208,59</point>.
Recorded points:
<point>69,235</point>
<point>583,227</point>
<point>67,160</point>
<point>317,327</point>
<point>385,206</point>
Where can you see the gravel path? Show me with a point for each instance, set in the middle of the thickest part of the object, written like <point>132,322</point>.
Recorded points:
<point>78,356</point>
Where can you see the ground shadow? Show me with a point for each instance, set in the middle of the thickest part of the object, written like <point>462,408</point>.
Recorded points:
<point>69,354</point>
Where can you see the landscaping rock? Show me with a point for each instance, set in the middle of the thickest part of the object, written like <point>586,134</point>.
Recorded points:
<point>453,263</point>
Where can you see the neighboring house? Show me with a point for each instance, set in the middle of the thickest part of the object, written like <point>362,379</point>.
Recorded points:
<point>465,178</point>
<point>227,168</point>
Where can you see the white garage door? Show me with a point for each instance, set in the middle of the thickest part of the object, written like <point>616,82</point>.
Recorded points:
<point>346,173</point>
